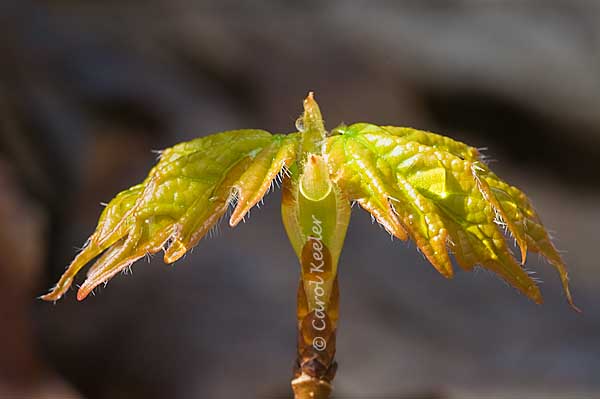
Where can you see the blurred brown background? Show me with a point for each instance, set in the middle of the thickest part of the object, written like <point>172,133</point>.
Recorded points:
<point>88,89</point>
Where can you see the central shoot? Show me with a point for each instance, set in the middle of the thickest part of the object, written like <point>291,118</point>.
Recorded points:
<point>315,215</point>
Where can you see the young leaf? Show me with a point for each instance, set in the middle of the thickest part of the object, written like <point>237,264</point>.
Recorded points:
<point>432,188</point>
<point>184,195</point>
<point>444,196</point>
<point>416,184</point>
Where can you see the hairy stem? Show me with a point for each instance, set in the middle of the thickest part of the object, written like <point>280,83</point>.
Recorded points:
<point>315,366</point>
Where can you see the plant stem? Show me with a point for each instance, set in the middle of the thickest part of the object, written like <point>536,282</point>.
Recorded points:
<point>315,365</point>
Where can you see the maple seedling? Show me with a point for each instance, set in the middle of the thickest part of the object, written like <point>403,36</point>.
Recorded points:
<point>416,184</point>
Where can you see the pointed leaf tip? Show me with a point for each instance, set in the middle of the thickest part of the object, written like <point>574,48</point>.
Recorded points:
<point>258,177</point>
<point>82,294</point>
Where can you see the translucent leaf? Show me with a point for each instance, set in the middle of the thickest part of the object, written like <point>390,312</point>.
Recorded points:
<point>444,197</point>
<point>415,183</point>
<point>184,195</point>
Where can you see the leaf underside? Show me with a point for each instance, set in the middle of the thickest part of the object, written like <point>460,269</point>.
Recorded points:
<point>417,184</point>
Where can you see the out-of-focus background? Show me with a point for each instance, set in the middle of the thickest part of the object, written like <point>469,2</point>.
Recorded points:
<point>88,89</point>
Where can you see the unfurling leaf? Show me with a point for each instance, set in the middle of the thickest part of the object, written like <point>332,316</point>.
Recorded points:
<point>417,184</point>
<point>444,196</point>
<point>184,195</point>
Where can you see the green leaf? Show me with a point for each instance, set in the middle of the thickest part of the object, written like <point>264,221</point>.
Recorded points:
<point>184,195</point>
<point>444,196</point>
<point>417,184</point>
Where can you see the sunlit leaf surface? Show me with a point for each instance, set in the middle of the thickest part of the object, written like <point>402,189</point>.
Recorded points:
<point>444,196</point>
<point>184,195</point>
<point>418,185</point>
